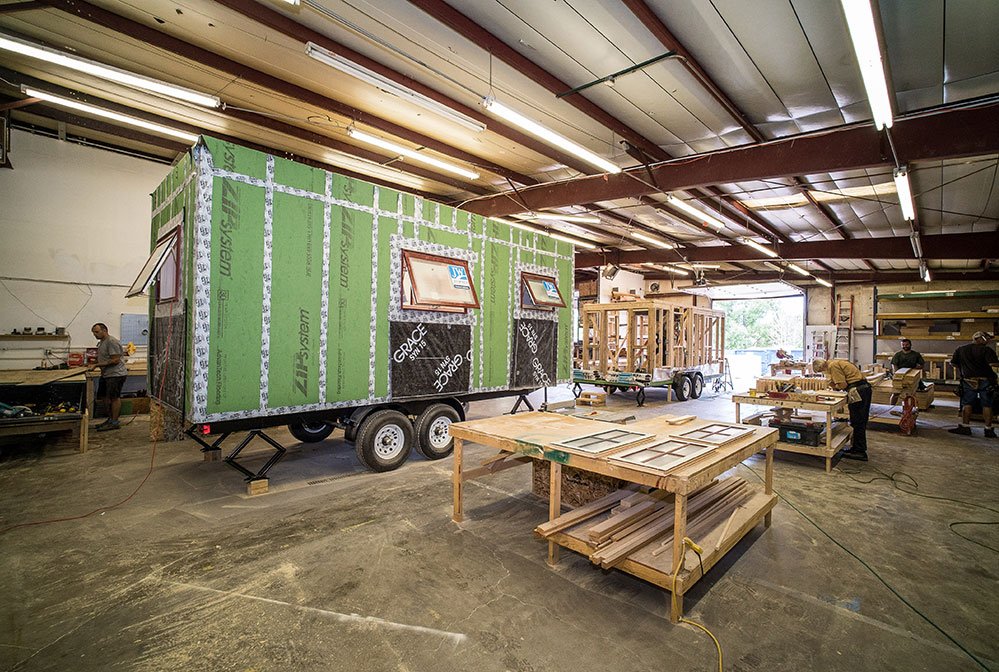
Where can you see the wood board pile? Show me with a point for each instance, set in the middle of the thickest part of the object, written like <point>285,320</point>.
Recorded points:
<point>636,519</point>
<point>579,487</point>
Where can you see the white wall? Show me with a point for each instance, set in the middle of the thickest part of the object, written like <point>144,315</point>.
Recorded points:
<point>75,232</point>
<point>624,282</point>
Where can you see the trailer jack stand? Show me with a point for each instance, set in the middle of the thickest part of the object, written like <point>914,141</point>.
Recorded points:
<point>256,482</point>
<point>522,399</point>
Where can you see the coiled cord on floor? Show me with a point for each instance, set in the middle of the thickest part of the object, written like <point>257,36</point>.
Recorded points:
<point>898,479</point>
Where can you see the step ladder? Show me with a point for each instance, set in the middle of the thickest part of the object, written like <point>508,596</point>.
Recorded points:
<point>724,382</point>
<point>843,346</point>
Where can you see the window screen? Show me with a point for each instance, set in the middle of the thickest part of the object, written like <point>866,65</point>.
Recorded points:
<point>430,282</point>
<point>159,256</point>
<point>662,456</point>
<point>717,434</point>
<point>540,291</point>
<point>601,441</point>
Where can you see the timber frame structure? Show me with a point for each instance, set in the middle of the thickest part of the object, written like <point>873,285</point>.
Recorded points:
<point>654,337</point>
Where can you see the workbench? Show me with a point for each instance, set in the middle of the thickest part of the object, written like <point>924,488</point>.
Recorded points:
<point>18,387</point>
<point>835,437</point>
<point>530,436</point>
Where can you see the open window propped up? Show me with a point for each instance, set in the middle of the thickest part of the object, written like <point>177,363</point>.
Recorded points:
<point>540,291</point>
<point>436,283</point>
<point>165,250</point>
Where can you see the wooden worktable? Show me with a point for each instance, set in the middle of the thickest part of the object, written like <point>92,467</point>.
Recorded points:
<point>835,438</point>
<point>529,436</point>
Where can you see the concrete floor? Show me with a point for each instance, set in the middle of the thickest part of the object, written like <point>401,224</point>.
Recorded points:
<point>340,569</point>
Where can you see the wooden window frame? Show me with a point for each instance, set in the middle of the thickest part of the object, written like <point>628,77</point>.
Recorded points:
<point>439,306</point>
<point>525,285</point>
<point>135,289</point>
<point>175,251</point>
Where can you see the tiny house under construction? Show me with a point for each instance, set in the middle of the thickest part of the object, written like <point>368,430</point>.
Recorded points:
<point>288,295</point>
<point>651,343</point>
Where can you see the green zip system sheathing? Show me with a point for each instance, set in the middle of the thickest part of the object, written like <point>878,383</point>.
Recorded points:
<point>291,285</point>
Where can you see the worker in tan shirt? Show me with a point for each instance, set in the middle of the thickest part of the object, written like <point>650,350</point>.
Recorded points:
<point>843,375</point>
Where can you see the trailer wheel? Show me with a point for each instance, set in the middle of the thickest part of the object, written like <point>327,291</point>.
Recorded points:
<point>433,438</point>
<point>310,432</point>
<point>682,388</point>
<point>697,387</point>
<point>384,440</point>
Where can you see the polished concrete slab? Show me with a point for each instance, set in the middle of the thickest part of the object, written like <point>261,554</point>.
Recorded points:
<point>337,568</point>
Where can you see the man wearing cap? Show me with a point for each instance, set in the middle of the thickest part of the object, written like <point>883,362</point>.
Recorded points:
<point>978,381</point>
<point>843,375</point>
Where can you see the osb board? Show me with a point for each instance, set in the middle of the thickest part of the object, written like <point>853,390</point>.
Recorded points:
<point>578,487</point>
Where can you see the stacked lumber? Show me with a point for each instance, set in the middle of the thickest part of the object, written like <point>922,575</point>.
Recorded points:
<point>592,398</point>
<point>906,380</point>
<point>636,520</point>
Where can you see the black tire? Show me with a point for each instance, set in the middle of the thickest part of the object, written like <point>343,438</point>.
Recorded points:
<point>384,440</point>
<point>310,432</point>
<point>682,388</point>
<point>433,439</point>
<point>610,389</point>
<point>697,386</point>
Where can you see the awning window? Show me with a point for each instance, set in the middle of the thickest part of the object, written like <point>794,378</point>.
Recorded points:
<point>430,282</point>
<point>540,291</point>
<point>156,260</point>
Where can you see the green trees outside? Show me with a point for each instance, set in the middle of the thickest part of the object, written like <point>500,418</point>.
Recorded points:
<point>763,323</point>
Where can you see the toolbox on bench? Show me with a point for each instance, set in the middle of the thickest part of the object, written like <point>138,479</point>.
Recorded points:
<point>809,435</point>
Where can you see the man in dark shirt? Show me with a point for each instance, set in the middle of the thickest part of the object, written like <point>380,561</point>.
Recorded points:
<point>906,358</point>
<point>978,381</point>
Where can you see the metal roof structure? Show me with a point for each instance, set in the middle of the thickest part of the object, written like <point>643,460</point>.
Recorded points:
<point>717,122</point>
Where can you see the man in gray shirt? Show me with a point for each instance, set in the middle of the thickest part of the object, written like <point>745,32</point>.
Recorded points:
<point>111,362</point>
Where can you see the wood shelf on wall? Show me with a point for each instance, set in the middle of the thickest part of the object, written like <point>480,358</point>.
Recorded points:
<point>956,315</point>
<point>35,337</point>
<point>899,337</point>
<point>943,294</point>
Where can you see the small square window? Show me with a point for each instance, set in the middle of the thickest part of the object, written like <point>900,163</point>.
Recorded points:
<point>430,282</point>
<point>540,291</point>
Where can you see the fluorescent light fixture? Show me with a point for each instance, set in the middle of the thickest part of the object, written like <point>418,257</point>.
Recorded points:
<point>701,266</point>
<point>351,68</point>
<point>108,114</point>
<point>654,241</point>
<point>905,195</point>
<point>416,156</point>
<point>695,213</point>
<point>294,3</point>
<point>790,201</point>
<point>567,239</point>
<point>822,282</point>
<point>860,20</point>
<point>760,248</point>
<point>556,217</point>
<point>18,46</point>
<point>668,269</point>
<point>518,225</point>
<point>879,190</point>
<point>797,269</point>
<point>549,136</point>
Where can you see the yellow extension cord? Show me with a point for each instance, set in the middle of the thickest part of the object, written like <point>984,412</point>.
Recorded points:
<point>687,541</point>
